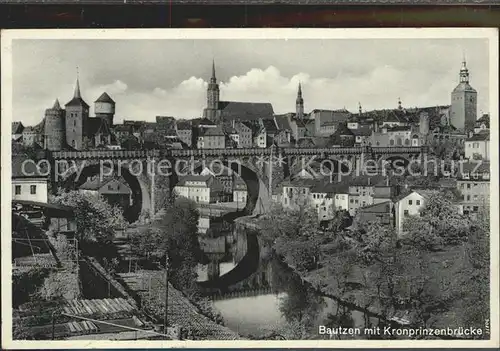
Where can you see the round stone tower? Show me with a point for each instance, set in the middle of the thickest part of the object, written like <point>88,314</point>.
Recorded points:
<point>104,108</point>
<point>55,129</point>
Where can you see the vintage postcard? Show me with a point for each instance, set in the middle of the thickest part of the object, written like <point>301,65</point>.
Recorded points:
<point>253,188</point>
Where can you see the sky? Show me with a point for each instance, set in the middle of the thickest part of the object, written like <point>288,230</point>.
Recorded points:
<point>149,78</point>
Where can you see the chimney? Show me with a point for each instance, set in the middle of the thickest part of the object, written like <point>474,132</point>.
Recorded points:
<point>369,180</point>
<point>387,181</point>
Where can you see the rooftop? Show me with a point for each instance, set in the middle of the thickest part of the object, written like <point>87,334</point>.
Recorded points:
<point>383,207</point>
<point>245,111</point>
<point>479,137</point>
<point>105,98</point>
<point>23,167</point>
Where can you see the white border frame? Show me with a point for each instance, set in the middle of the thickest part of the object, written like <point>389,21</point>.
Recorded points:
<point>7,36</point>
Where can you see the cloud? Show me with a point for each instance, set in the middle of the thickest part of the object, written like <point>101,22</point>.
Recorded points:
<point>170,77</point>
<point>378,88</point>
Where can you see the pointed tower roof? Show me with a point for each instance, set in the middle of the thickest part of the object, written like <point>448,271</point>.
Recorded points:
<point>77,98</point>
<point>77,89</point>
<point>213,79</point>
<point>56,106</point>
<point>300,89</point>
<point>105,98</point>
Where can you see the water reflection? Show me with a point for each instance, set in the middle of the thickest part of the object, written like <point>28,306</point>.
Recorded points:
<point>268,298</point>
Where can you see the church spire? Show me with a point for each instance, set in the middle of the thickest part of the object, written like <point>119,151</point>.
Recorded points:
<point>77,94</point>
<point>56,106</point>
<point>299,103</point>
<point>213,79</point>
<point>360,109</point>
<point>400,107</point>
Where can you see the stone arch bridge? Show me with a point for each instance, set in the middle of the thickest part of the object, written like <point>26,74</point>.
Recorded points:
<point>152,174</point>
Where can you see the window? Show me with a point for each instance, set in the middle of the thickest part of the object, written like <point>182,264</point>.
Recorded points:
<point>406,213</point>
<point>18,190</point>
<point>418,202</point>
<point>351,201</point>
<point>475,208</point>
<point>468,186</point>
<point>410,202</point>
<point>391,142</point>
<point>356,201</point>
<point>74,122</point>
<point>468,197</point>
<point>32,189</point>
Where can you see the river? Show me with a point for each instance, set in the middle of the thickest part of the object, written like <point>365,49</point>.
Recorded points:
<point>257,300</point>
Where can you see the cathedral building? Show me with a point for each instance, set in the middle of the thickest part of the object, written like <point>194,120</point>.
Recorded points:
<point>227,111</point>
<point>464,103</point>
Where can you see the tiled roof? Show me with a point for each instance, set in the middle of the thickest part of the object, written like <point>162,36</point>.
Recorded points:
<point>195,178</point>
<point>469,167</point>
<point>29,129</point>
<point>464,87</point>
<point>484,119</point>
<point>343,130</point>
<point>362,131</point>
<point>30,169</point>
<point>269,125</point>
<point>305,142</point>
<point>122,128</point>
<point>383,207</point>
<point>300,183</point>
<point>105,98</point>
<point>202,122</point>
<point>98,125</point>
<point>94,184</point>
<point>365,180</point>
<point>217,131</point>
<point>399,129</point>
<point>17,128</point>
<point>479,137</point>
<point>181,311</point>
<point>165,122</point>
<point>77,101</point>
<point>448,183</point>
<point>337,116</point>
<point>282,122</point>
<point>245,110</point>
<point>110,308</point>
<point>184,125</point>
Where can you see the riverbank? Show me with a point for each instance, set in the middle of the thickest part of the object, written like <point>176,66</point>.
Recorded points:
<point>360,294</point>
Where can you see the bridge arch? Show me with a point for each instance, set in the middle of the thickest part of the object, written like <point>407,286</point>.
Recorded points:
<point>141,200</point>
<point>258,197</point>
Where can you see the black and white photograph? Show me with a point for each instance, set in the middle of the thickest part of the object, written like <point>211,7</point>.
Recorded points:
<point>298,187</point>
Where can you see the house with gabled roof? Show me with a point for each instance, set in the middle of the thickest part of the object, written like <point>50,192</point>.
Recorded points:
<point>477,146</point>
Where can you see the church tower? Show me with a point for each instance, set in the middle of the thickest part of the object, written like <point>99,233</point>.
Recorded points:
<point>299,104</point>
<point>464,102</point>
<point>77,116</point>
<point>212,96</point>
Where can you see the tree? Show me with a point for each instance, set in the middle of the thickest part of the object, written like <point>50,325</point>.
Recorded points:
<point>440,223</point>
<point>297,223</point>
<point>175,235</point>
<point>96,219</point>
